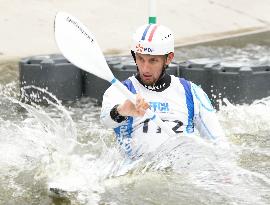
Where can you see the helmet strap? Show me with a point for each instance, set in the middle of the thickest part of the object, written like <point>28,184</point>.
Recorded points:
<point>133,55</point>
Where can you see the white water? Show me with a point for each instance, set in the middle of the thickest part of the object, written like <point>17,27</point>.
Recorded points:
<point>68,146</point>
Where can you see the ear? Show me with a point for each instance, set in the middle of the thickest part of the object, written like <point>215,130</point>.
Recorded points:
<point>169,58</point>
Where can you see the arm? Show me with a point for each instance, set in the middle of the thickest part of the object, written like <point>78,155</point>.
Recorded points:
<point>111,98</point>
<point>205,118</point>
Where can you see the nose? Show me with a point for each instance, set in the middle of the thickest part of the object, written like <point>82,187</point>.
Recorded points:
<point>145,66</point>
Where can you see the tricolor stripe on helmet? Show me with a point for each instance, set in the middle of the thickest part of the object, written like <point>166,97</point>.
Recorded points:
<point>151,33</point>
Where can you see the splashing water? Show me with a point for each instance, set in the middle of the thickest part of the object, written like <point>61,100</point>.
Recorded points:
<point>41,147</point>
<point>66,146</point>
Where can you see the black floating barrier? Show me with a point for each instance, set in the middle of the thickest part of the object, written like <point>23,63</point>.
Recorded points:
<point>52,73</point>
<point>241,84</point>
<point>237,82</point>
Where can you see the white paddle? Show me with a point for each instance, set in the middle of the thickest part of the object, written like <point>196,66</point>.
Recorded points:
<point>80,47</point>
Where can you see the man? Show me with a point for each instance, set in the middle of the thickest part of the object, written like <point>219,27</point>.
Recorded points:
<point>181,104</point>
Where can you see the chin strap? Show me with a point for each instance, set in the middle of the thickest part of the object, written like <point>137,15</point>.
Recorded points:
<point>133,55</point>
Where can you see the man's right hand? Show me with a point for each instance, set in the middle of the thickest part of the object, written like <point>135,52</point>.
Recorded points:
<point>137,110</point>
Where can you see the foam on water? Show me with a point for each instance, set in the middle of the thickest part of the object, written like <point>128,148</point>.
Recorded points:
<point>45,146</point>
<point>38,143</point>
<point>67,147</point>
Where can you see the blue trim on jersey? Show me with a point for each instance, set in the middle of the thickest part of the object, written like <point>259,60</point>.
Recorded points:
<point>128,83</point>
<point>145,32</point>
<point>189,103</point>
<point>123,132</point>
<point>210,108</point>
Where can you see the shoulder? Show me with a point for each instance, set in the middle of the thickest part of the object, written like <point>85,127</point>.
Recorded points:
<point>180,80</point>
<point>183,83</point>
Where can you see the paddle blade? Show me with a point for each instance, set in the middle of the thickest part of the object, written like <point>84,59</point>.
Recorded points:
<point>79,46</point>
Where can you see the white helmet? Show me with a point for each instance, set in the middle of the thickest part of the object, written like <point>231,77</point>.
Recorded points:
<point>153,39</point>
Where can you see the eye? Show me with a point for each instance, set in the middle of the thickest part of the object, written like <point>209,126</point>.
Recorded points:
<point>153,60</point>
<point>139,58</point>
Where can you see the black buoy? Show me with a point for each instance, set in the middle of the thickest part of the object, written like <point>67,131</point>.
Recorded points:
<point>52,73</point>
<point>237,82</point>
<point>241,84</point>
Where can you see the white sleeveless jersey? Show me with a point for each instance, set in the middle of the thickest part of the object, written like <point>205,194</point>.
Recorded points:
<point>182,105</point>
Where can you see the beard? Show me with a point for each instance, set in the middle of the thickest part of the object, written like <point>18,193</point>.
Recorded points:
<point>151,80</point>
<point>148,81</point>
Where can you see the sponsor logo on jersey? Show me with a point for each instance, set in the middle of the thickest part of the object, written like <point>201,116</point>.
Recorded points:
<point>159,106</point>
